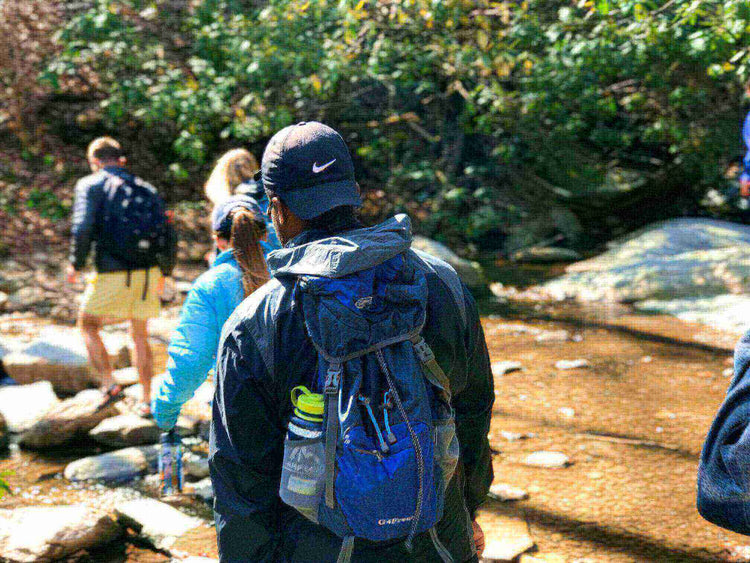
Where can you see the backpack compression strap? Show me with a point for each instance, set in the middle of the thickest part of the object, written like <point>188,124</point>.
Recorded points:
<point>434,372</point>
<point>332,385</point>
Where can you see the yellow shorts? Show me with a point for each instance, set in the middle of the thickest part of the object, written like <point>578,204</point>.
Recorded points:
<point>123,295</point>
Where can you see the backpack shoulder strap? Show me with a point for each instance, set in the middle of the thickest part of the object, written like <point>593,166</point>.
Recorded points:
<point>434,372</point>
<point>447,275</point>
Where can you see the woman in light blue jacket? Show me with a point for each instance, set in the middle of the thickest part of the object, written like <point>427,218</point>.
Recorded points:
<point>240,230</point>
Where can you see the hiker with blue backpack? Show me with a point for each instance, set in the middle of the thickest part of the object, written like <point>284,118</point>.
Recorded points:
<point>239,232</point>
<point>353,391</point>
<point>125,220</point>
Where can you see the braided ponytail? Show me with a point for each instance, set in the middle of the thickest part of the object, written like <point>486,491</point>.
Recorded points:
<point>245,241</point>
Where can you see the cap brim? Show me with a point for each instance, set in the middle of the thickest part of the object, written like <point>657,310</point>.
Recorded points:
<point>308,203</point>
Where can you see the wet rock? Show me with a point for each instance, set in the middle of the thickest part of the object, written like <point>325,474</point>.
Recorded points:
<point>195,466</point>
<point>68,420</point>
<point>501,368</point>
<point>546,255</point>
<point>156,521</point>
<point>23,405</point>
<point>504,492</point>
<point>53,533</point>
<point>553,336</point>
<point>730,313</point>
<point>548,460</point>
<point>118,466</point>
<point>203,488</point>
<point>509,539</point>
<point>471,272</point>
<point>572,364</point>
<point>671,259</point>
<point>126,430</point>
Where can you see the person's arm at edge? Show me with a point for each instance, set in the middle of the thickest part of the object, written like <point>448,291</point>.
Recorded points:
<point>191,352</point>
<point>246,453</point>
<point>474,411</point>
<point>724,471</point>
<point>87,199</point>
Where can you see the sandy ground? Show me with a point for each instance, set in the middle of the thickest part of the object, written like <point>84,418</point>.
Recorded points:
<point>639,416</point>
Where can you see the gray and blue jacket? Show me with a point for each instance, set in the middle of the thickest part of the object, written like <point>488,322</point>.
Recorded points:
<point>265,351</point>
<point>724,470</point>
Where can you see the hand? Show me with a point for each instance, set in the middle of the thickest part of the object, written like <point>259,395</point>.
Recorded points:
<point>745,187</point>
<point>478,538</point>
<point>71,275</point>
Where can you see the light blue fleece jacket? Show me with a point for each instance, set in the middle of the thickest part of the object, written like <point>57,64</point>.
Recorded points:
<point>192,350</point>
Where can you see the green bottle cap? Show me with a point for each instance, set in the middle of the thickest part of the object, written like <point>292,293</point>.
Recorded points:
<point>307,402</point>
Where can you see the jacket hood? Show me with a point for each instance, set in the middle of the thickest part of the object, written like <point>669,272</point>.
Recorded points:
<point>345,254</point>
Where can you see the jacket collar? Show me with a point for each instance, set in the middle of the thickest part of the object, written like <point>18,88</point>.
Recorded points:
<point>224,257</point>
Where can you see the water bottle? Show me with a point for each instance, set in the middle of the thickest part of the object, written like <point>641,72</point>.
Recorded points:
<point>303,471</point>
<point>170,463</point>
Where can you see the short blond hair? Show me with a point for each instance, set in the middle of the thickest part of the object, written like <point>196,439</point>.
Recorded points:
<point>104,148</point>
<point>232,169</point>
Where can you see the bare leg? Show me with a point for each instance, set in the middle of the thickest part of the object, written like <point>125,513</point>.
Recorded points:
<point>90,327</point>
<point>144,360</point>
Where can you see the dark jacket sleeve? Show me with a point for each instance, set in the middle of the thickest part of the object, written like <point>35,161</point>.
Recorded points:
<point>246,453</point>
<point>87,201</point>
<point>724,470</point>
<point>474,411</point>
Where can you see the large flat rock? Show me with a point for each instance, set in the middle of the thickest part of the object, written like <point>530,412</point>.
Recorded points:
<point>68,420</point>
<point>156,521</point>
<point>118,466</point>
<point>58,354</point>
<point>23,405</point>
<point>509,539</point>
<point>53,533</point>
<point>670,259</point>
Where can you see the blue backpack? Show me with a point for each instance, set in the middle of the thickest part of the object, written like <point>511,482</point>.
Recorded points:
<point>134,224</point>
<point>389,445</point>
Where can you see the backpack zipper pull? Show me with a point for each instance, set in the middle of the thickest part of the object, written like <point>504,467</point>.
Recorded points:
<point>366,402</point>
<point>387,404</point>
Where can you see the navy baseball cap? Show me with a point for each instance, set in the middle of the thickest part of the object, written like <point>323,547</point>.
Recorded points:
<point>221,218</point>
<point>309,167</point>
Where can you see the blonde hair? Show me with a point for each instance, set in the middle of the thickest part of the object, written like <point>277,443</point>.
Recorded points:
<point>233,168</point>
<point>244,240</point>
<point>104,148</point>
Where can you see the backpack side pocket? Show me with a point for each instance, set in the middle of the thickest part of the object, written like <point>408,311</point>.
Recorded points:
<point>447,449</point>
<point>303,476</point>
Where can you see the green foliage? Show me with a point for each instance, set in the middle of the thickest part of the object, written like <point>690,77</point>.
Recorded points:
<point>47,204</point>
<point>442,102</point>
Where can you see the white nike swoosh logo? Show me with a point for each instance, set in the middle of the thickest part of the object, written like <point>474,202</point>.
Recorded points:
<point>317,169</point>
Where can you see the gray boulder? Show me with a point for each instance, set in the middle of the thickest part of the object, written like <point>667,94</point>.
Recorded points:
<point>118,466</point>
<point>545,255</point>
<point>126,430</point>
<point>471,272</point>
<point>23,405</point>
<point>68,420</point>
<point>671,259</point>
<point>37,533</point>
<point>156,521</point>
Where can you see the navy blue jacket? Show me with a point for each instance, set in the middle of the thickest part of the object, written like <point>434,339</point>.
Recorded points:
<point>724,470</point>
<point>87,224</point>
<point>264,352</point>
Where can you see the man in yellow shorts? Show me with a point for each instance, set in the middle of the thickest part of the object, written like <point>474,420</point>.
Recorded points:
<point>125,221</point>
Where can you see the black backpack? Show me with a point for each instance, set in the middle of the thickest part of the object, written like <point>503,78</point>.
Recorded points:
<point>134,225</point>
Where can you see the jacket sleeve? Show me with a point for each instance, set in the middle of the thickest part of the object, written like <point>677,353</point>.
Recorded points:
<point>246,453</point>
<point>724,469</point>
<point>474,411</point>
<point>87,200</point>
<point>191,355</point>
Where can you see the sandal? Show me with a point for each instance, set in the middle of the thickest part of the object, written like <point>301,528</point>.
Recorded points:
<point>144,411</point>
<point>113,394</point>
